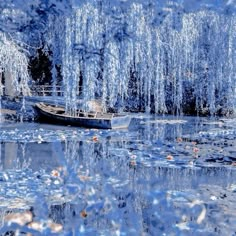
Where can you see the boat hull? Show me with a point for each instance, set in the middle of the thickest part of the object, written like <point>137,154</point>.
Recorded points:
<point>118,122</point>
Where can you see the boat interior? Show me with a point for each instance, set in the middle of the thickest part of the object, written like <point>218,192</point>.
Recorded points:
<point>79,113</point>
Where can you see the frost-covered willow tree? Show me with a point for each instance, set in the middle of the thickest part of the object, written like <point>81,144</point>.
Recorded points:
<point>139,56</point>
<point>161,56</point>
<point>13,67</point>
<point>23,24</point>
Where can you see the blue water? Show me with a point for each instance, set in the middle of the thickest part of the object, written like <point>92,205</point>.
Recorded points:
<point>162,176</point>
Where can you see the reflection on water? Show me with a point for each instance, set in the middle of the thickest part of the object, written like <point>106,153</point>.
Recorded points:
<point>160,176</point>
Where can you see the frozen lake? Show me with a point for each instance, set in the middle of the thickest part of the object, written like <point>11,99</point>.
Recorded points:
<point>163,176</point>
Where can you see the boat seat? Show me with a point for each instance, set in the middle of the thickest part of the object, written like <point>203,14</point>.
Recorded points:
<point>92,114</point>
<point>82,113</point>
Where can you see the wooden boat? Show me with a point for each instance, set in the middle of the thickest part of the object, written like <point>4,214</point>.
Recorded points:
<point>56,114</point>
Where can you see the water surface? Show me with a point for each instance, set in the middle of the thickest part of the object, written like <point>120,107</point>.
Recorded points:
<point>162,176</point>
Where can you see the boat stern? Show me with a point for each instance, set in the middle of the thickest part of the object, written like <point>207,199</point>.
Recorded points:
<point>120,122</point>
